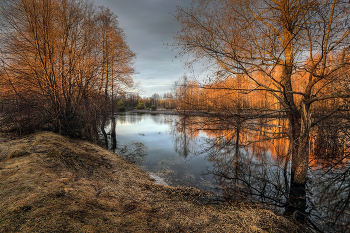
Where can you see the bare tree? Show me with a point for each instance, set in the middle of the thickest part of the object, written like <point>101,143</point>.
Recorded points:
<point>116,64</point>
<point>295,50</point>
<point>54,67</point>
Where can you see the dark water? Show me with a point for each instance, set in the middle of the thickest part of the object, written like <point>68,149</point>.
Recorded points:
<point>242,161</point>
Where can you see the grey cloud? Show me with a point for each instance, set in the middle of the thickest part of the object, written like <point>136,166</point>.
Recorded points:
<point>147,25</point>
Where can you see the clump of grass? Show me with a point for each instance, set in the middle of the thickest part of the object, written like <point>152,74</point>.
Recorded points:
<point>75,186</point>
<point>79,162</point>
<point>18,153</point>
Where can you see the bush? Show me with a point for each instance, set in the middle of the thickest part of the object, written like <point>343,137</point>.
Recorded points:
<point>140,105</point>
<point>121,107</point>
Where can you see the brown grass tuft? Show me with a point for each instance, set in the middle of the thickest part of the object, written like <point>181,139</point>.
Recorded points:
<point>18,153</point>
<point>50,183</point>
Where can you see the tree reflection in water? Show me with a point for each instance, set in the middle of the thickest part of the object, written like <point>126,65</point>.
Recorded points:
<point>251,161</point>
<point>183,137</point>
<point>133,152</point>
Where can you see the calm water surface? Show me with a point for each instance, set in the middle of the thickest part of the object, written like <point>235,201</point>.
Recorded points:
<point>150,141</point>
<point>255,167</point>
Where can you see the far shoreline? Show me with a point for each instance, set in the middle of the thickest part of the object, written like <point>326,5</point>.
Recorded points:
<point>161,111</point>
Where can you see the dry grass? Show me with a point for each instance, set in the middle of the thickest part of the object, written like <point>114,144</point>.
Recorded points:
<point>53,184</point>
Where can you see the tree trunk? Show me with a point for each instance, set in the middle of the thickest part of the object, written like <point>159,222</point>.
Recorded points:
<point>300,159</point>
<point>236,160</point>
<point>113,135</point>
<point>103,124</point>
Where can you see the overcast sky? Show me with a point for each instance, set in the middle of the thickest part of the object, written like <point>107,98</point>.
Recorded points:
<point>148,24</point>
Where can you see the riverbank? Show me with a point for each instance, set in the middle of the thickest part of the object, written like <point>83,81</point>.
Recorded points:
<point>50,183</point>
<point>246,114</point>
<point>158,111</point>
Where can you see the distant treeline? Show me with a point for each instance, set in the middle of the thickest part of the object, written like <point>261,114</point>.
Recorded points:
<point>132,101</point>
<point>238,94</point>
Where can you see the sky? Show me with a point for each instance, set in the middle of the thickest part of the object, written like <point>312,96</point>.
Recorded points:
<point>148,25</point>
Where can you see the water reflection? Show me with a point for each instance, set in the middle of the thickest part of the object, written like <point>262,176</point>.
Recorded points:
<point>243,159</point>
<point>133,152</point>
<point>250,160</point>
<point>124,119</point>
<point>160,157</point>
<point>183,137</point>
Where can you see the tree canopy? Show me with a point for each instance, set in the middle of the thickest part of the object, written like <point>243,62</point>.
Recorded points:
<point>61,63</point>
<point>295,50</point>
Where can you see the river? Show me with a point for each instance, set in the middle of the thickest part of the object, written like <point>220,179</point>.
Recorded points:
<point>208,156</point>
<point>149,141</point>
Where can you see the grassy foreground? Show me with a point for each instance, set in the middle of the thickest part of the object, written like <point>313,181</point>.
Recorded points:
<point>49,183</point>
